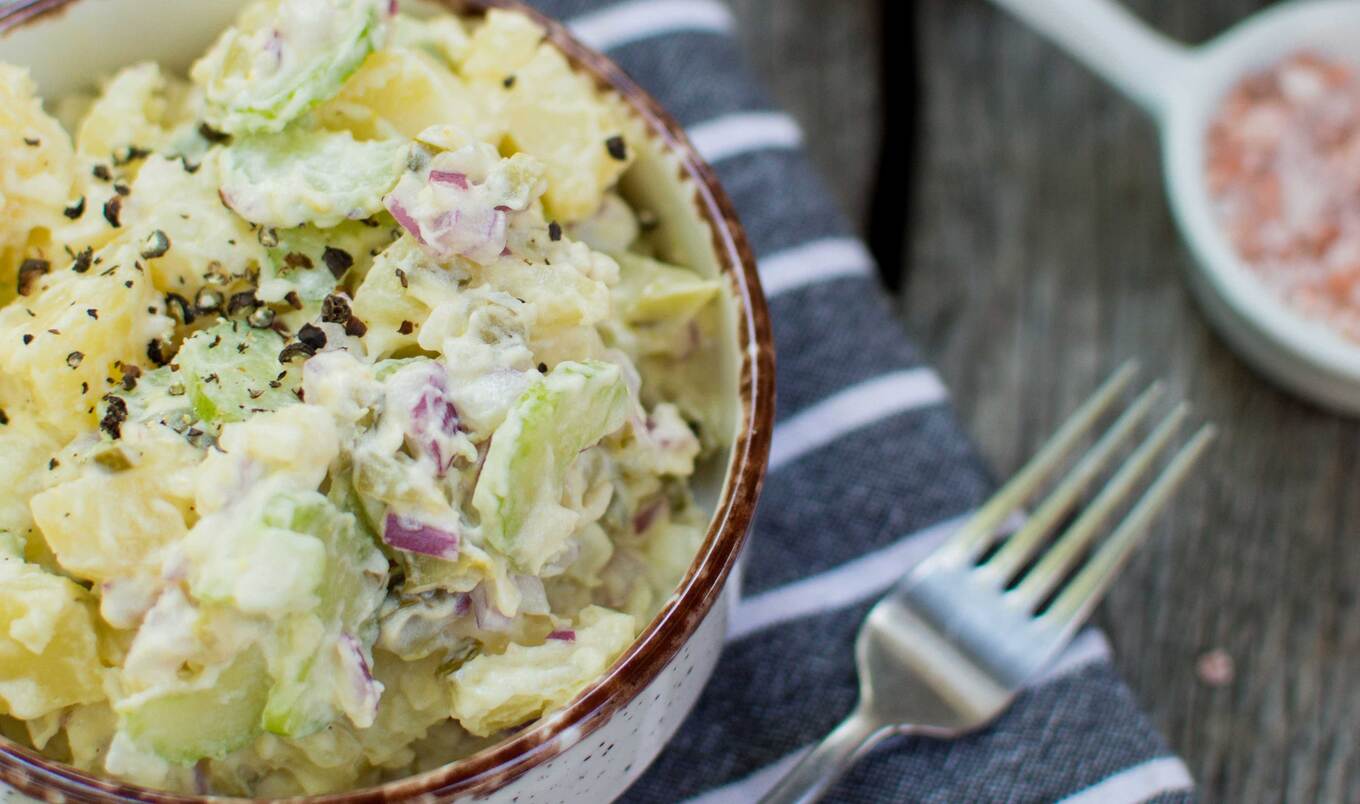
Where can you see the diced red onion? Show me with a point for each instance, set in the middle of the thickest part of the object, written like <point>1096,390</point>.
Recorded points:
<point>434,418</point>
<point>356,655</point>
<point>694,338</point>
<point>415,536</point>
<point>403,217</point>
<point>497,223</point>
<point>274,47</point>
<point>392,7</point>
<point>533,598</point>
<point>463,604</point>
<point>365,691</point>
<point>647,514</point>
<point>488,618</point>
<point>447,220</point>
<point>563,635</point>
<point>451,177</point>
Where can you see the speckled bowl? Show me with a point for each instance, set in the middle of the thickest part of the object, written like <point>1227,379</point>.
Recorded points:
<point>593,748</point>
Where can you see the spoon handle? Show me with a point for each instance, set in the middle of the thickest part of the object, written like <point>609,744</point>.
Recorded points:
<point>1103,35</point>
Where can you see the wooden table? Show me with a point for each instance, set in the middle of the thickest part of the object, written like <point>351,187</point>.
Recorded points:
<point>1039,253</point>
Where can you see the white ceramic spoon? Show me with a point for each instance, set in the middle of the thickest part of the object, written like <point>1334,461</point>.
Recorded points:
<point>1181,88</point>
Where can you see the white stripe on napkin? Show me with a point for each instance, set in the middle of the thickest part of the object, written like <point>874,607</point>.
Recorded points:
<point>855,407</point>
<point>751,788</point>
<point>629,22</point>
<point>817,261</point>
<point>852,582</point>
<point>745,132</point>
<point>1077,656</point>
<point>1139,783</point>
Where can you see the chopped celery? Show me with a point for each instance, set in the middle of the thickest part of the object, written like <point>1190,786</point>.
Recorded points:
<point>260,568</point>
<point>518,494</point>
<point>285,56</point>
<point>309,665</point>
<point>651,292</point>
<point>230,370</point>
<point>209,722</point>
<point>303,175</point>
<point>157,396</point>
<point>312,261</point>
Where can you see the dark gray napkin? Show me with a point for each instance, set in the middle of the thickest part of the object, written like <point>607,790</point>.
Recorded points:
<point>869,470</point>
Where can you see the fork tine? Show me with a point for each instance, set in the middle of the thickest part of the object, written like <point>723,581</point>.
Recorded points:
<point>1020,547</point>
<point>974,536</point>
<point>1040,580</point>
<point>1074,604</point>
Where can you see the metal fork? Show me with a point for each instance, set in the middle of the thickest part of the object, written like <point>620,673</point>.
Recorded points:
<point>949,648</point>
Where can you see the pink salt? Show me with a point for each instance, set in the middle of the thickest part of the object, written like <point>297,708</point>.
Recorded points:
<point>1283,170</point>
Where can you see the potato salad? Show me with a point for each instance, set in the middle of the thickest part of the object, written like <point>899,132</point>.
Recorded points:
<point>337,441</point>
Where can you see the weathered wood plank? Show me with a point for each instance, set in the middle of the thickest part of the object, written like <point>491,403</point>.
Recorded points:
<point>1043,254</point>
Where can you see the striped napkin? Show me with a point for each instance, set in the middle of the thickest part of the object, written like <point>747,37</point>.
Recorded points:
<point>868,472</point>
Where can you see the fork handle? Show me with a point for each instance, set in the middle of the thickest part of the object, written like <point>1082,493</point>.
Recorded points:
<point>814,774</point>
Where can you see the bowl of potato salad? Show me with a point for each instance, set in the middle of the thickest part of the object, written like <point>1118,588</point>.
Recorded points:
<point>384,396</point>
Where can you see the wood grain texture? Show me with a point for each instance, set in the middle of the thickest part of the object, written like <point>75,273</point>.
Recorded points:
<point>1041,255</point>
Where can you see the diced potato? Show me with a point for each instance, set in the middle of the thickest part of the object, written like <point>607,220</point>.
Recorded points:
<point>658,305</point>
<point>562,294</point>
<point>108,524</point>
<point>48,656</point>
<point>400,92</point>
<point>613,228</point>
<point>503,44</point>
<point>295,445</point>
<point>79,327</point>
<point>414,699</point>
<point>200,231</point>
<point>139,107</point>
<point>495,692</point>
<point>561,118</point>
<point>36,172</point>
<point>670,550</point>
<point>444,37</point>
<point>89,729</point>
<point>27,447</point>
<point>395,305</point>
<point>328,761</point>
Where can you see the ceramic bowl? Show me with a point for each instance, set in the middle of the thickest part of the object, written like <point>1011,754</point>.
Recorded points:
<point>1182,88</point>
<point>593,748</point>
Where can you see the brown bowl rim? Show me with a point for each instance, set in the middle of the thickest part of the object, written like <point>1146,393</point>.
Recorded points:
<point>495,767</point>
